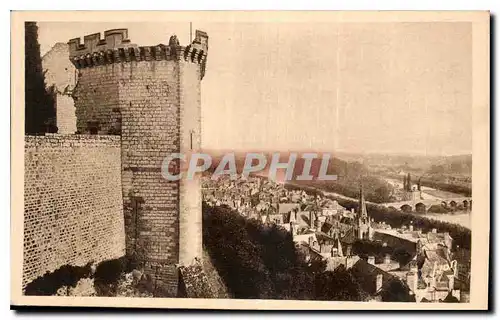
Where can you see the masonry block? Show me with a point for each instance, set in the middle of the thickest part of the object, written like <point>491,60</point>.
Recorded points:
<point>73,205</point>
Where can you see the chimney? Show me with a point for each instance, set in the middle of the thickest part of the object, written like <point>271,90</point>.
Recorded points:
<point>387,259</point>
<point>434,230</point>
<point>371,260</point>
<point>378,283</point>
<point>411,227</point>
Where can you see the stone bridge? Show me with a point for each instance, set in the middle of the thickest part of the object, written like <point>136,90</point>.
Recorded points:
<point>423,205</point>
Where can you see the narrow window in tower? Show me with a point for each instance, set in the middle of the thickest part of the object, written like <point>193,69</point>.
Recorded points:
<point>191,132</point>
<point>93,127</point>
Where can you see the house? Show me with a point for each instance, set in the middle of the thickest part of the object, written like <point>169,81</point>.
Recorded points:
<point>348,262</point>
<point>462,256</point>
<point>275,218</point>
<point>305,237</point>
<point>396,239</point>
<point>288,207</point>
<point>388,265</point>
<point>375,281</point>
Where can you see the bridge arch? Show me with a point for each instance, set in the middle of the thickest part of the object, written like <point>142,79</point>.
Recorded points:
<point>466,204</point>
<point>420,208</point>
<point>435,205</point>
<point>406,208</point>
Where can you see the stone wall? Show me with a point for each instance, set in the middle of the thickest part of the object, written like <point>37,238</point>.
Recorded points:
<point>73,202</point>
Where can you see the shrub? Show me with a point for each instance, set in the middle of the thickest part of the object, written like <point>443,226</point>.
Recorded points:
<point>109,271</point>
<point>50,282</point>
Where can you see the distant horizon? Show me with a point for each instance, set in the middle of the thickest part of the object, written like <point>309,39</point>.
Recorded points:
<point>375,153</point>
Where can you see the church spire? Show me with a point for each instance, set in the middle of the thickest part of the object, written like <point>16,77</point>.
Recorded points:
<point>362,213</point>
<point>339,249</point>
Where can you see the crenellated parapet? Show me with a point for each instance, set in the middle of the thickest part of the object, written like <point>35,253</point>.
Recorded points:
<point>117,48</point>
<point>198,49</point>
<point>113,39</point>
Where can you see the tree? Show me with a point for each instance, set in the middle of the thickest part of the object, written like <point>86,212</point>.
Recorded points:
<point>408,182</point>
<point>257,261</point>
<point>382,194</point>
<point>254,260</point>
<point>402,256</point>
<point>338,285</point>
<point>396,291</point>
<point>39,104</point>
<point>236,258</point>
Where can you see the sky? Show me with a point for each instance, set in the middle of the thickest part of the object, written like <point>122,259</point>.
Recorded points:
<point>351,87</point>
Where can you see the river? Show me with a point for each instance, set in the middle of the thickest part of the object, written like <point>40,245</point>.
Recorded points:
<point>461,218</point>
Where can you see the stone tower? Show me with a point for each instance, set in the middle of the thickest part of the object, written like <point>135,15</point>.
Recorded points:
<point>150,96</point>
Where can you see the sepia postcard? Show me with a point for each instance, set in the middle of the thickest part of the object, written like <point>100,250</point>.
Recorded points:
<point>251,160</point>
